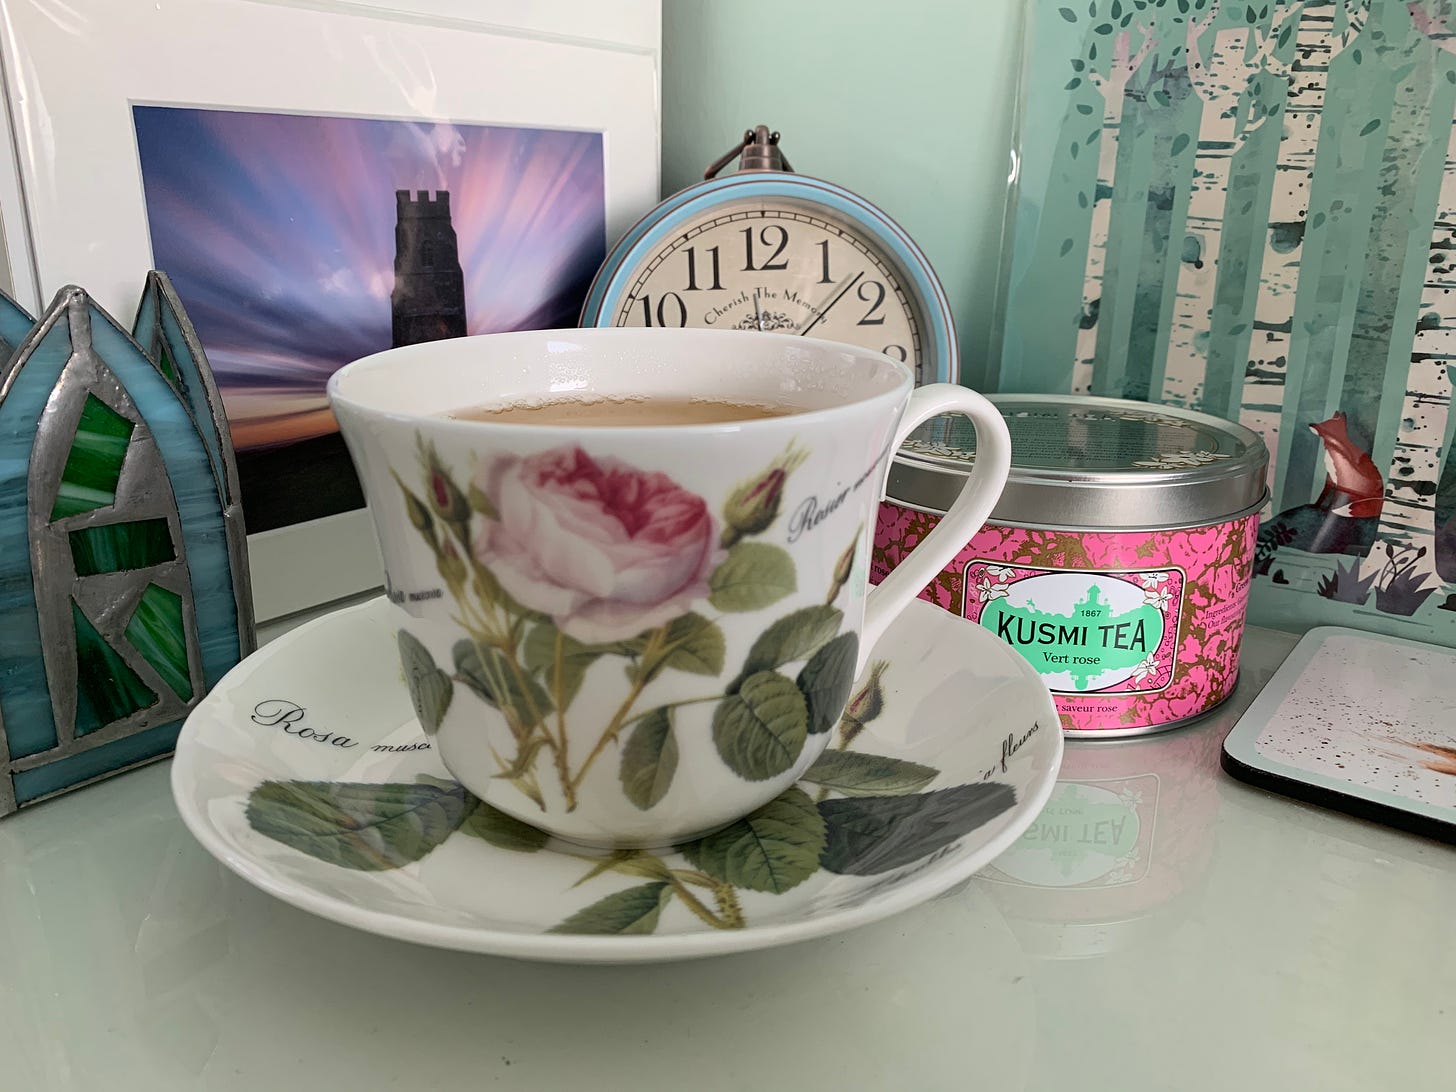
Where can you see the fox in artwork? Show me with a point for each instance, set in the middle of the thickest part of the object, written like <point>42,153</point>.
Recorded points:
<point>1354,486</point>
<point>1346,516</point>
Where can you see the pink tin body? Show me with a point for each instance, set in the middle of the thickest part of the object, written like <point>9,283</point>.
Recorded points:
<point>1118,560</point>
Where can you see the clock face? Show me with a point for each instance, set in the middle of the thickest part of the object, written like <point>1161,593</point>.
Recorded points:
<point>776,266</point>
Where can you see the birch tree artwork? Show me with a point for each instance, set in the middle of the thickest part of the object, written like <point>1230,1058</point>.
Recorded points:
<point>1232,112</point>
<point>1248,207</point>
<point>1111,83</point>
<point>1325,29</point>
<point>1408,520</point>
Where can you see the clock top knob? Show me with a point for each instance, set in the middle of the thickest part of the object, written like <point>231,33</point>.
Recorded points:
<point>757,151</point>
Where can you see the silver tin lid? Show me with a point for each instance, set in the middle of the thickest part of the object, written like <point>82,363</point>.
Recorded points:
<point>1082,463</point>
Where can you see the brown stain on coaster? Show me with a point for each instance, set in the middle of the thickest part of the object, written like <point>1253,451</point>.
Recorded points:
<point>1442,760</point>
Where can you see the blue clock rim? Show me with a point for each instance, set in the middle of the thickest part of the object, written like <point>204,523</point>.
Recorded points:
<point>663,221</point>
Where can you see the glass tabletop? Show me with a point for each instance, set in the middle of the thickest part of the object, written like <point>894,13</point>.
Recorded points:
<point>1161,926</point>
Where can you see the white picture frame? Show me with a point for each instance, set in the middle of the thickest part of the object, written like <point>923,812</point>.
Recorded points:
<point>72,207</point>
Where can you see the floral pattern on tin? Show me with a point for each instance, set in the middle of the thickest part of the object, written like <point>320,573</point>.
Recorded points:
<point>1178,460</point>
<point>1216,559</point>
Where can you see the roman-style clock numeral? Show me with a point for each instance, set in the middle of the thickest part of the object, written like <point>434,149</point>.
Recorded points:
<point>824,277</point>
<point>774,236</point>
<point>674,313</point>
<point>717,285</point>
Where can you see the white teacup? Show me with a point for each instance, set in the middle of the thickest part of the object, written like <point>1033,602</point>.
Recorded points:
<point>634,635</point>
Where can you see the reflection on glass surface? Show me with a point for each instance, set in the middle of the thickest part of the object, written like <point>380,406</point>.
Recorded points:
<point>1127,839</point>
<point>134,962</point>
<point>1126,834</point>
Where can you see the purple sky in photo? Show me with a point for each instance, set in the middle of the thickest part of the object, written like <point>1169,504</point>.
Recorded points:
<point>278,231</point>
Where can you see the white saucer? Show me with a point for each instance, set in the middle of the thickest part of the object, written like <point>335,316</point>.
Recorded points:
<point>305,772</point>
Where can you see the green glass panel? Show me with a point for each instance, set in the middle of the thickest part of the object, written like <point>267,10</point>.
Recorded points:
<point>157,632</point>
<point>116,547</point>
<point>93,466</point>
<point>106,688</point>
<point>169,368</point>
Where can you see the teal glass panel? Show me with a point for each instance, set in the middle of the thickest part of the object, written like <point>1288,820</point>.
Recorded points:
<point>93,466</point>
<point>25,699</point>
<point>107,690</point>
<point>15,325</point>
<point>67,773</point>
<point>116,547</point>
<point>158,633</point>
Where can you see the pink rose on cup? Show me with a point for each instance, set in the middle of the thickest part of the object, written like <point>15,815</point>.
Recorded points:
<point>605,549</point>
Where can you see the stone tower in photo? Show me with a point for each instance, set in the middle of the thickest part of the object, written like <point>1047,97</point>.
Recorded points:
<point>428,300</point>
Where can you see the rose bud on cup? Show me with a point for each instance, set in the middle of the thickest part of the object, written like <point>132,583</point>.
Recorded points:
<point>449,503</point>
<point>451,567</point>
<point>754,505</point>
<point>843,568</point>
<point>419,515</point>
<point>865,706</point>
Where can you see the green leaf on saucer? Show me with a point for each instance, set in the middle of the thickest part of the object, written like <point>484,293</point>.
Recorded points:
<point>631,912</point>
<point>503,831</point>
<point>540,658</point>
<point>856,774</point>
<point>430,688</point>
<point>501,682</point>
<point>774,849</point>
<point>363,826</point>
<point>754,575</point>
<point>760,731</point>
<point>827,680</point>
<point>873,834</point>
<point>649,759</point>
<point>795,636</point>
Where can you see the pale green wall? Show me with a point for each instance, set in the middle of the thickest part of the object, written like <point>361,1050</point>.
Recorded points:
<point>907,103</point>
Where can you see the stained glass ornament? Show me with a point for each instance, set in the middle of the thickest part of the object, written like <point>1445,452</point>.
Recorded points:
<point>124,592</point>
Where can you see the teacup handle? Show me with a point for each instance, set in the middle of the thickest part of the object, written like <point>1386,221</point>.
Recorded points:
<point>961,521</point>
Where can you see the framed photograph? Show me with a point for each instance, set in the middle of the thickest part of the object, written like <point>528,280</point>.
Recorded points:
<point>323,181</point>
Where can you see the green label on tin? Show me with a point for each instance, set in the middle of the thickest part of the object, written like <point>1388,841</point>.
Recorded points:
<point>1082,631</point>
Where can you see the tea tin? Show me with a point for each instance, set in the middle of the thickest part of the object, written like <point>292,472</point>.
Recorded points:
<point>1117,560</point>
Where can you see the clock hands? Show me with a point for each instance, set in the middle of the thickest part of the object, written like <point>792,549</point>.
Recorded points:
<point>837,297</point>
<point>757,310</point>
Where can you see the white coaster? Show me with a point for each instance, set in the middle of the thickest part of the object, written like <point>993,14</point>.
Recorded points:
<point>1360,722</point>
